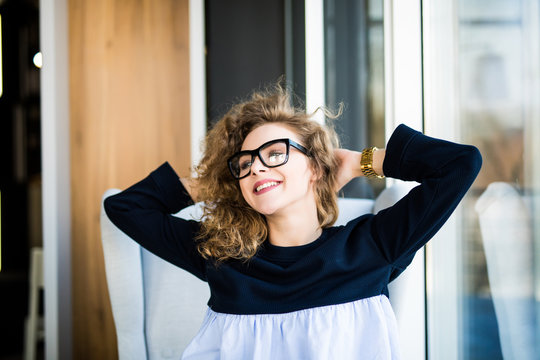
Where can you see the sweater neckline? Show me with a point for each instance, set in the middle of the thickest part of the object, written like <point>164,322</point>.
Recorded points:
<point>292,253</point>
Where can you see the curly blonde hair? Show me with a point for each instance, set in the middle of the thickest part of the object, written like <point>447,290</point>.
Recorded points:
<point>231,229</point>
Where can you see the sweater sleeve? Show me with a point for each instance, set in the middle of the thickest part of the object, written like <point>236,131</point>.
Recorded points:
<point>143,212</point>
<point>445,172</point>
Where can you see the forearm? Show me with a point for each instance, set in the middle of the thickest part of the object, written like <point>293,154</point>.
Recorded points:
<point>160,191</point>
<point>350,165</point>
<point>378,160</point>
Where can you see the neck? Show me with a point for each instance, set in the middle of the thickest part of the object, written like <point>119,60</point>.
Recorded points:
<point>293,229</point>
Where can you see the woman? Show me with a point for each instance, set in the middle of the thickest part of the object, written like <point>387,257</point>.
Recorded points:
<point>285,283</point>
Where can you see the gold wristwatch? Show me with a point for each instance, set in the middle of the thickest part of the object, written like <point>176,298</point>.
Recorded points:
<point>366,163</point>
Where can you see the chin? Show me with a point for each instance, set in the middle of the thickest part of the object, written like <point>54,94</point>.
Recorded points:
<point>265,209</point>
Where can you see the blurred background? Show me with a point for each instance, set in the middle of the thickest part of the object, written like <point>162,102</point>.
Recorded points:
<point>126,85</point>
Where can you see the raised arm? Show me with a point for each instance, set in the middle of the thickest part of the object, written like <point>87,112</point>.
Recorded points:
<point>143,212</point>
<point>445,171</point>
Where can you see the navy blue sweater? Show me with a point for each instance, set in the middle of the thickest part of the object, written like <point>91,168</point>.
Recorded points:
<point>346,263</point>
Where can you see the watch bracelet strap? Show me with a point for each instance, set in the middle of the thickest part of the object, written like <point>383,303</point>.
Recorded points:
<point>366,163</point>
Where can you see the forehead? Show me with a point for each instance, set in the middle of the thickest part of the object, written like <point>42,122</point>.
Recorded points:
<point>267,133</point>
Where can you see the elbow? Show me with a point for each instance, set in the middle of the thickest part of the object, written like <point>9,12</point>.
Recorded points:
<point>108,205</point>
<point>112,206</point>
<point>476,159</point>
<point>474,162</point>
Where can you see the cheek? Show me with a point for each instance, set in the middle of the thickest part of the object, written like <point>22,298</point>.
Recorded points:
<point>300,173</point>
<point>303,181</point>
<point>310,175</point>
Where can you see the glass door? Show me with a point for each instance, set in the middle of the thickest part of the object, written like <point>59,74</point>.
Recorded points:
<point>481,64</point>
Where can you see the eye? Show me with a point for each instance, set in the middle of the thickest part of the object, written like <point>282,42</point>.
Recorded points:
<point>244,165</point>
<point>276,156</point>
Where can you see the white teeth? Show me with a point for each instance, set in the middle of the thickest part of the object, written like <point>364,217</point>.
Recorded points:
<point>265,185</point>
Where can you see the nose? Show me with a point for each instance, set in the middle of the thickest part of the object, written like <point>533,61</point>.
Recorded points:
<point>257,166</point>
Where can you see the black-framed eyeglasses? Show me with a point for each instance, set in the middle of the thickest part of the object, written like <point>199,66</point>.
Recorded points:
<point>272,154</point>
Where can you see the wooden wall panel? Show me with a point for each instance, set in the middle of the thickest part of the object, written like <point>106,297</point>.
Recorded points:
<point>129,109</point>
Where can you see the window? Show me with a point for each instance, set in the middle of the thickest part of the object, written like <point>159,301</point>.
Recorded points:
<point>482,86</point>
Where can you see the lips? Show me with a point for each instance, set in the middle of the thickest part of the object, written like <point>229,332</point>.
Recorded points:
<point>263,186</point>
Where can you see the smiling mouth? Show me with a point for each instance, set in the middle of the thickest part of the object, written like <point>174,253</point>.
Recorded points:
<point>266,186</point>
